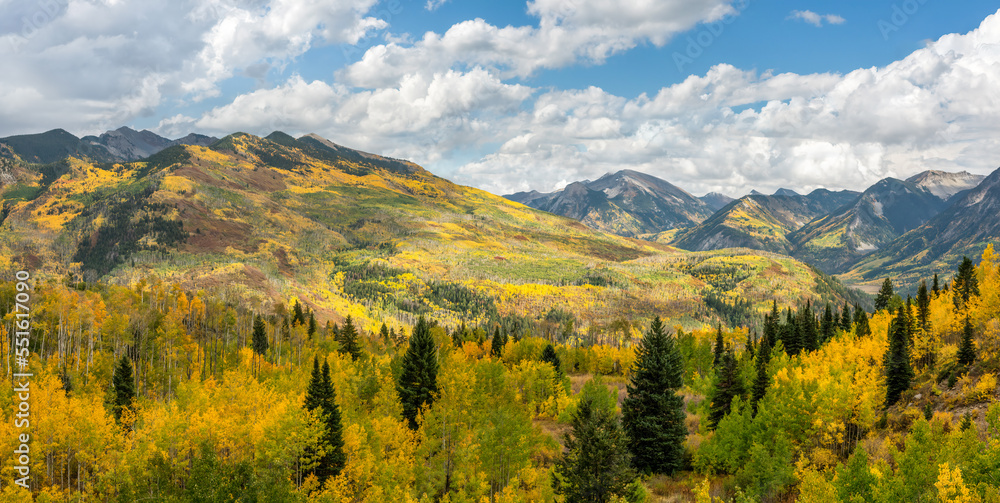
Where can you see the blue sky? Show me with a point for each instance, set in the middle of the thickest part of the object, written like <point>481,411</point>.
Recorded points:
<point>713,95</point>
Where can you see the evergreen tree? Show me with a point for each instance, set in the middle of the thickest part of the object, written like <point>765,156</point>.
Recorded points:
<point>828,327</point>
<point>936,290</point>
<point>653,412</point>
<point>965,284</point>
<point>719,348</point>
<point>791,336</point>
<point>298,317</point>
<point>418,378</point>
<point>384,333</point>
<point>595,466</point>
<point>349,339</point>
<point>321,400</point>
<point>311,331</point>
<point>967,350</point>
<point>751,346</point>
<point>259,337</point>
<point>807,327</point>
<point>898,372</point>
<point>499,341</point>
<point>861,327</point>
<point>846,322</point>
<point>923,307</point>
<point>771,322</point>
<point>728,384</point>
<point>884,295</point>
<point>761,379</point>
<point>123,387</point>
<point>549,356</point>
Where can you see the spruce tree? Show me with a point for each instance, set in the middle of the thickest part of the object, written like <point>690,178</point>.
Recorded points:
<point>311,331</point>
<point>885,295</point>
<point>384,333</point>
<point>923,307</point>
<point>349,339</point>
<point>123,387</point>
<point>298,317</point>
<point>936,289</point>
<point>259,337</point>
<point>807,327</point>
<point>653,412</point>
<point>719,348</point>
<point>418,378</point>
<point>595,466</point>
<point>549,356</point>
<point>728,384</point>
<point>965,284</point>
<point>498,343</point>
<point>898,372</point>
<point>967,350</point>
<point>791,336</point>
<point>761,379</point>
<point>846,322</point>
<point>321,400</point>
<point>861,326</point>
<point>828,327</point>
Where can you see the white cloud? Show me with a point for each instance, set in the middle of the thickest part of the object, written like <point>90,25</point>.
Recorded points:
<point>816,19</point>
<point>568,32</point>
<point>89,66</point>
<point>432,5</point>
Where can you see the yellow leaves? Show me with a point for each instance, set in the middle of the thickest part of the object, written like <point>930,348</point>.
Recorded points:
<point>951,488</point>
<point>178,184</point>
<point>982,391</point>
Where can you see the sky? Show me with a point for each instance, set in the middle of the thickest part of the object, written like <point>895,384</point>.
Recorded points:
<point>710,95</point>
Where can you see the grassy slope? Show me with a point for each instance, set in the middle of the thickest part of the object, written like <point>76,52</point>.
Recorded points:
<point>266,223</point>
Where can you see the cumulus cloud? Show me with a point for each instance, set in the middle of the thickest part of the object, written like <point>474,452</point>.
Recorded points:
<point>816,19</point>
<point>568,32</point>
<point>97,65</point>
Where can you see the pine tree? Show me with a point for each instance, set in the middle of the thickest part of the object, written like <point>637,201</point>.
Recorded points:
<point>259,337</point>
<point>384,333</point>
<point>791,336</point>
<point>861,326</point>
<point>885,295</point>
<point>653,412</point>
<point>595,466</point>
<point>728,384</point>
<point>807,327</point>
<point>936,289</point>
<point>965,284</point>
<point>846,322</point>
<point>924,307</point>
<point>549,356</point>
<point>967,350</point>
<point>312,325</point>
<point>123,387</point>
<point>898,372</point>
<point>719,348</point>
<point>771,322</point>
<point>321,400</point>
<point>418,379</point>
<point>298,317</point>
<point>349,339</point>
<point>499,341</point>
<point>828,327</point>
<point>761,380</point>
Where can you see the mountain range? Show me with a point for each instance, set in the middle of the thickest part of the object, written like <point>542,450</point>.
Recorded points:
<point>345,231</point>
<point>833,230</point>
<point>122,144</point>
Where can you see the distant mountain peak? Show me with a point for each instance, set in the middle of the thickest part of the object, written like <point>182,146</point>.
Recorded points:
<point>785,192</point>
<point>943,184</point>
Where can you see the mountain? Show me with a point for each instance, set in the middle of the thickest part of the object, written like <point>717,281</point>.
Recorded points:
<point>785,192</point>
<point>884,212</point>
<point>716,201</point>
<point>945,185</point>
<point>122,144</point>
<point>345,231</point>
<point>761,222</point>
<point>627,203</point>
<point>963,229</point>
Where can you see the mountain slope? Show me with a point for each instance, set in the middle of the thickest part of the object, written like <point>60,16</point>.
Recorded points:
<point>761,222</point>
<point>716,201</point>
<point>945,185</point>
<point>351,232</point>
<point>121,145</point>
<point>963,229</point>
<point>884,211</point>
<point>627,203</point>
